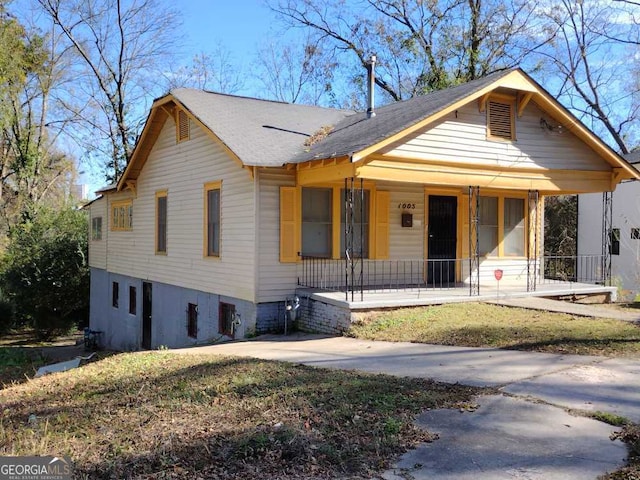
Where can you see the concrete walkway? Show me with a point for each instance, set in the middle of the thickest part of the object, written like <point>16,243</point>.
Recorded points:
<point>578,309</point>
<point>523,433</point>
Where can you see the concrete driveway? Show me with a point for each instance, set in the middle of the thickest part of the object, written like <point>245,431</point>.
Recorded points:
<point>523,433</point>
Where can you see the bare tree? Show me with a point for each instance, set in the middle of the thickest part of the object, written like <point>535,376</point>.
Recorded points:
<point>421,45</point>
<point>215,71</point>
<point>121,46</point>
<point>296,73</point>
<point>592,45</point>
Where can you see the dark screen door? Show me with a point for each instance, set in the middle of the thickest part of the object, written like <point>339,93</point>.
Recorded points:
<point>146,315</point>
<point>441,265</point>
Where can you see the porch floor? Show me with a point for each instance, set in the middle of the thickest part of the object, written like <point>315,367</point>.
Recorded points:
<point>414,297</point>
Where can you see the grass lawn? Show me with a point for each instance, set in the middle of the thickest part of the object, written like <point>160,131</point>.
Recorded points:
<point>488,325</point>
<point>162,415</point>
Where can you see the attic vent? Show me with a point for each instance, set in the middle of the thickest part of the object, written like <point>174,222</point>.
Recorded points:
<point>183,126</point>
<point>500,120</point>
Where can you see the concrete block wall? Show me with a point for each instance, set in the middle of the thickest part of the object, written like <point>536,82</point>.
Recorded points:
<point>320,317</point>
<point>123,331</point>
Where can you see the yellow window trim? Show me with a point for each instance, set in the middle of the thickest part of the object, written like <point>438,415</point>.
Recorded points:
<point>122,207</point>
<point>161,194</point>
<point>501,196</point>
<point>216,185</point>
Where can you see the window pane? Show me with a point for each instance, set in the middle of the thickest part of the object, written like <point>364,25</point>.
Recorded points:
<point>360,223</point>
<point>162,224</point>
<point>514,226</point>
<point>213,223</point>
<point>316,222</point>
<point>488,226</point>
<point>132,300</point>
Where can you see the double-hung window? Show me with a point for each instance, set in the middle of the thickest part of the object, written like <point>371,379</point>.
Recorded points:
<point>501,226</point>
<point>317,222</point>
<point>212,219</point>
<point>161,222</point>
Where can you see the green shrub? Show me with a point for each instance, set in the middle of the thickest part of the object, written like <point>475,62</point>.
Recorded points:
<point>45,275</point>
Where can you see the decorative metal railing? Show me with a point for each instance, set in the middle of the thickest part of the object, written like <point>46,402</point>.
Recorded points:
<point>574,268</point>
<point>381,275</point>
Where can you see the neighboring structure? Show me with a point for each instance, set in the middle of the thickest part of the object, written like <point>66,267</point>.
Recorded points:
<point>623,219</point>
<point>230,204</point>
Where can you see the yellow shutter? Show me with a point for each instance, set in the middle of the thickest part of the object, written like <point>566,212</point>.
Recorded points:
<point>289,224</point>
<point>382,225</point>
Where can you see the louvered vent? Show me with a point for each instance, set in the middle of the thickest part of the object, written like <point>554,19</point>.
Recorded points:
<point>183,126</point>
<point>501,120</point>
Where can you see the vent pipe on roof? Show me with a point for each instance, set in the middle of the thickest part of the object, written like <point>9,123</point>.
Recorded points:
<point>371,80</point>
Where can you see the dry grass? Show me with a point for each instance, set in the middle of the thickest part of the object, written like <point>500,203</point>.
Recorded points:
<point>161,415</point>
<point>486,325</point>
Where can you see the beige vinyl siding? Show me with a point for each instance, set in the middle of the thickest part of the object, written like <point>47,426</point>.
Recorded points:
<point>182,169</point>
<point>98,248</point>
<point>461,137</point>
<point>405,243</point>
<point>276,280</point>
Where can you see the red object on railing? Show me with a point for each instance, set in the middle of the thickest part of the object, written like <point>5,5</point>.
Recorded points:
<point>498,274</point>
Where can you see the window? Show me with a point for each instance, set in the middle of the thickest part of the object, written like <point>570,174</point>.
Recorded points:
<point>501,226</point>
<point>96,228</point>
<point>182,127</point>
<point>635,234</point>
<point>614,241</point>
<point>122,215</point>
<point>192,320</point>
<point>500,120</point>
<point>488,226</point>
<point>514,227</point>
<point>227,317</point>
<point>115,293</point>
<point>132,300</point>
<point>212,219</point>
<point>360,223</point>
<point>316,222</point>
<point>161,222</point>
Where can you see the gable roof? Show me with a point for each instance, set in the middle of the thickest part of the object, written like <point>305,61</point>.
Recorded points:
<point>260,132</point>
<point>264,133</point>
<point>357,132</point>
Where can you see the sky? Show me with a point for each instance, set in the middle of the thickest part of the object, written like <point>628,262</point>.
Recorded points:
<point>239,25</point>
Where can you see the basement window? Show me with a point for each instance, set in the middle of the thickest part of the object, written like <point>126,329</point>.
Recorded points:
<point>115,294</point>
<point>192,320</point>
<point>501,120</point>
<point>132,300</point>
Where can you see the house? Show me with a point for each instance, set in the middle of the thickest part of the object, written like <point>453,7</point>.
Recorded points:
<point>618,215</point>
<point>230,206</point>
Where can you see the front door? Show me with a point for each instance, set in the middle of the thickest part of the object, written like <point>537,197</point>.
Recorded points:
<point>146,315</point>
<point>441,244</point>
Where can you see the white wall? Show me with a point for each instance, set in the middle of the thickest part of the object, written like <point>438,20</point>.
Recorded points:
<point>461,137</point>
<point>182,169</point>
<point>625,268</point>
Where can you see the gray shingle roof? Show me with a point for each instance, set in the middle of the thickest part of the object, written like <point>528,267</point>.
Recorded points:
<point>259,132</point>
<point>357,132</point>
<point>633,157</point>
<point>268,133</point>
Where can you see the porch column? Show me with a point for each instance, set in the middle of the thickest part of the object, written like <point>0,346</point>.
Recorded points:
<point>607,231</point>
<point>532,241</point>
<point>474,248</point>
<point>353,253</point>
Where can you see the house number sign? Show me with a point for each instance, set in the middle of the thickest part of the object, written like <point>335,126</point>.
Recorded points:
<point>407,206</point>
